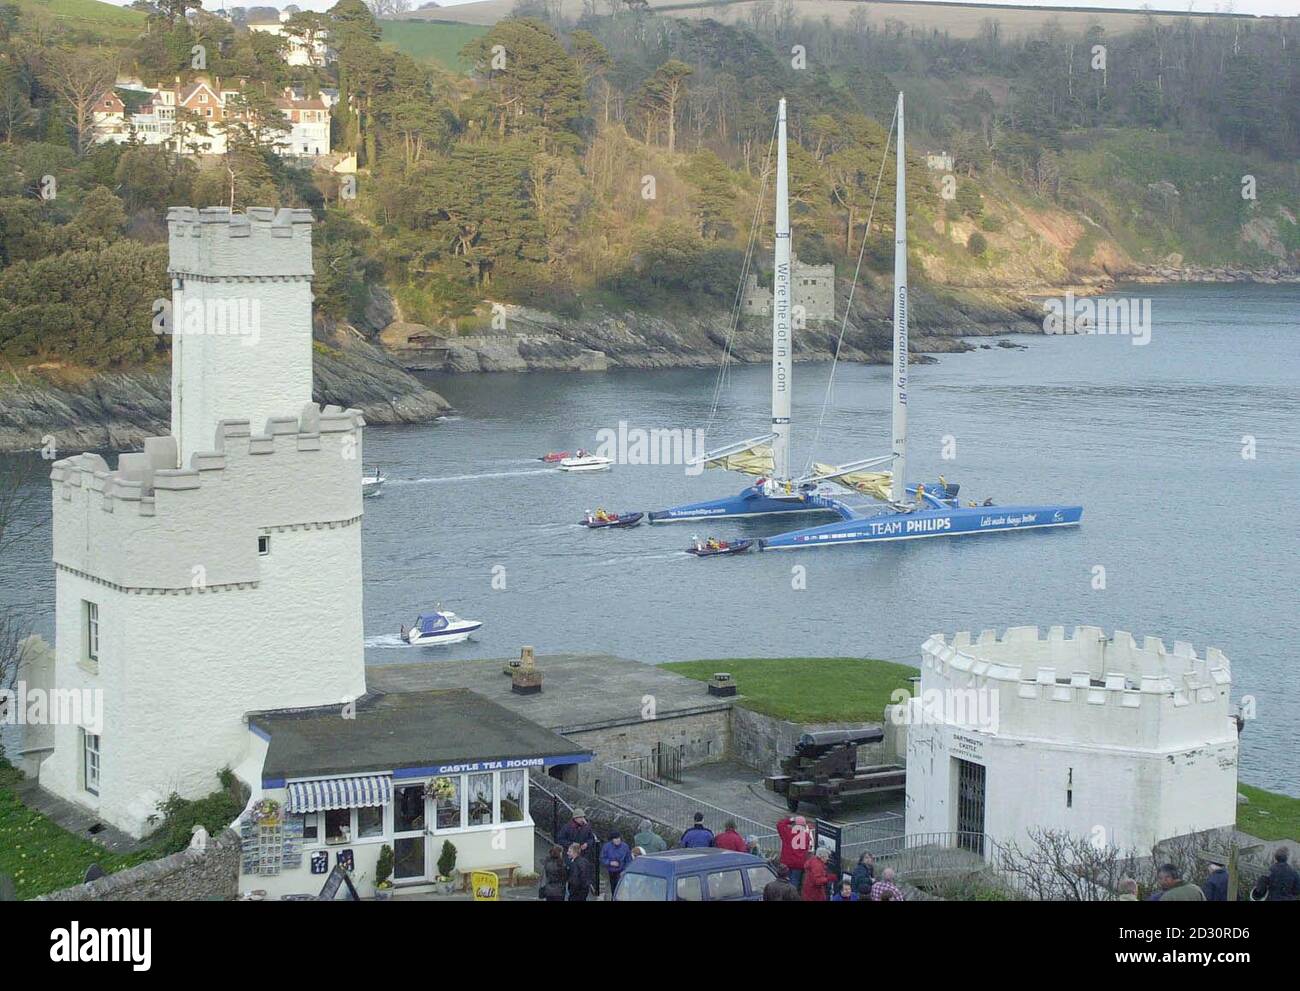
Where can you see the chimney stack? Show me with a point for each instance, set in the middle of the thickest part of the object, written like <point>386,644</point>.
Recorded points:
<point>525,676</point>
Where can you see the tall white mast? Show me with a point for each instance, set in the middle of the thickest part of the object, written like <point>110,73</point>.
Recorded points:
<point>897,490</point>
<point>782,345</point>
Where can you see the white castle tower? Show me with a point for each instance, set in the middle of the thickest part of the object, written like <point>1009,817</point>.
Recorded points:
<point>218,571</point>
<point>1096,737</point>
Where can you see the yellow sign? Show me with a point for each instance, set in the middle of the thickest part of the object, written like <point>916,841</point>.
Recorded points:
<point>486,885</point>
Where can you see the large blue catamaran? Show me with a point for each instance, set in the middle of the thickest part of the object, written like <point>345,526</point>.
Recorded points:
<point>767,456</point>
<point>904,512</point>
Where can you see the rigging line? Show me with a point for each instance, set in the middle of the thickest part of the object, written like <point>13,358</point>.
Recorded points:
<point>853,287</point>
<point>738,301</point>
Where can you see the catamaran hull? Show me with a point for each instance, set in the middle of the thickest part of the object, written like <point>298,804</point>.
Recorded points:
<point>887,527</point>
<point>751,502</point>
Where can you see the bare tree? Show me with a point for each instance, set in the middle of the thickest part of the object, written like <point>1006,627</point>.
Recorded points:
<point>1058,866</point>
<point>81,78</point>
<point>20,491</point>
<point>389,8</point>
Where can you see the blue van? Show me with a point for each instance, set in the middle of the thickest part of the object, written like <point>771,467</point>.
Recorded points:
<point>695,875</point>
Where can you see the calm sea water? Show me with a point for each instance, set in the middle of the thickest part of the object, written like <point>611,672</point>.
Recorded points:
<point>1197,542</point>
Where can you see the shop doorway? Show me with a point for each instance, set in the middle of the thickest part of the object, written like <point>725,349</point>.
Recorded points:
<point>410,842</point>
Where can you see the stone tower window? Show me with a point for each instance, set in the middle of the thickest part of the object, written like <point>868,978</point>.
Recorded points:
<point>90,632</point>
<point>90,760</point>
<point>264,544</point>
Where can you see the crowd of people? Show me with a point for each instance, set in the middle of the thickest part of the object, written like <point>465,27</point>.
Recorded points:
<point>1281,883</point>
<point>803,872</point>
<point>576,862</point>
<point>573,870</point>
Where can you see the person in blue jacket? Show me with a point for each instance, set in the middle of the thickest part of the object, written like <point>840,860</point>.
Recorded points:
<point>846,892</point>
<point>1216,885</point>
<point>699,835</point>
<point>615,855</point>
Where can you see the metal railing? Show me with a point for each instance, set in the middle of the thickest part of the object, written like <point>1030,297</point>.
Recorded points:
<point>642,796</point>
<point>662,765</point>
<point>919,855</point>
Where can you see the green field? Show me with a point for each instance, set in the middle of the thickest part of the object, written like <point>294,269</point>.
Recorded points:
<point>87,15</point>
<point>433,42</point>
<point>809,689</point>
<point>1269,816</point>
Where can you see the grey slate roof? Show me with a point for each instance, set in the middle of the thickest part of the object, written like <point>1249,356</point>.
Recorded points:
<point>401,730</point>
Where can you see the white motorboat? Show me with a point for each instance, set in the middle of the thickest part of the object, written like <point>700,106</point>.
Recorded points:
<point>372,483</point>
<point>439,627</point>
<point>584,461</point>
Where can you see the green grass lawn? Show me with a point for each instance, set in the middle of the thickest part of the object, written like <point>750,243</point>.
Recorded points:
<point>809,689</point>
<point>1269,816</point>
<point>436,42</point>
<point>88,15</point>
<point>41,856</point>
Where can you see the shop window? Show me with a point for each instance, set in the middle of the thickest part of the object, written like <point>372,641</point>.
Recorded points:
<point>447,804</point>
<point>514,784</point>
<point>481,799</point>
<point>370,822</point>
<point>310,827</point>
<point>338,825</point>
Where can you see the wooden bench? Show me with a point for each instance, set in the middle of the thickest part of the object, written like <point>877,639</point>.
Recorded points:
<point>505,874</point>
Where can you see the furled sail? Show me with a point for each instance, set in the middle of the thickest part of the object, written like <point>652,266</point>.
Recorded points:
<point>873,483</point>
<point>756,460</point>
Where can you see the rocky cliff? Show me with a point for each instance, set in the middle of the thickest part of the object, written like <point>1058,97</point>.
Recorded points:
<point>72,410</point>
<point>684,337</point>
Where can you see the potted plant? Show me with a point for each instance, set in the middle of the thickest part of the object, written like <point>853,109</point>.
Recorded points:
<point>446,865</point>
<point>384,874</point>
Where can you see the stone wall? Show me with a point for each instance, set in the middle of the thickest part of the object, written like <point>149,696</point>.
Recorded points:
<point>191,875</point>
<point>703,736</point>
<point>761,741</point>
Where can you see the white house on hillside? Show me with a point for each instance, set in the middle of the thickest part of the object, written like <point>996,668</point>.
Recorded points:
<point>299,52</point>
<point>192,119</point>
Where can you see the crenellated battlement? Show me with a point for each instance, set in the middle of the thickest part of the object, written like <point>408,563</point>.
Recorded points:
<point>262,243</point>
<point>148,524</point>
<point>1039,679</point>
<point>140,475</point>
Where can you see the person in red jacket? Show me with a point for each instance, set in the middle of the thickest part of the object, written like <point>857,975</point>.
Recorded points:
<point>816,877</point>
<point>796,844</point>
<point>730,838</point>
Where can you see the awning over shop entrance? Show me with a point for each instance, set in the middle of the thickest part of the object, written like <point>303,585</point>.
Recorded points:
<point>340,793</point>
